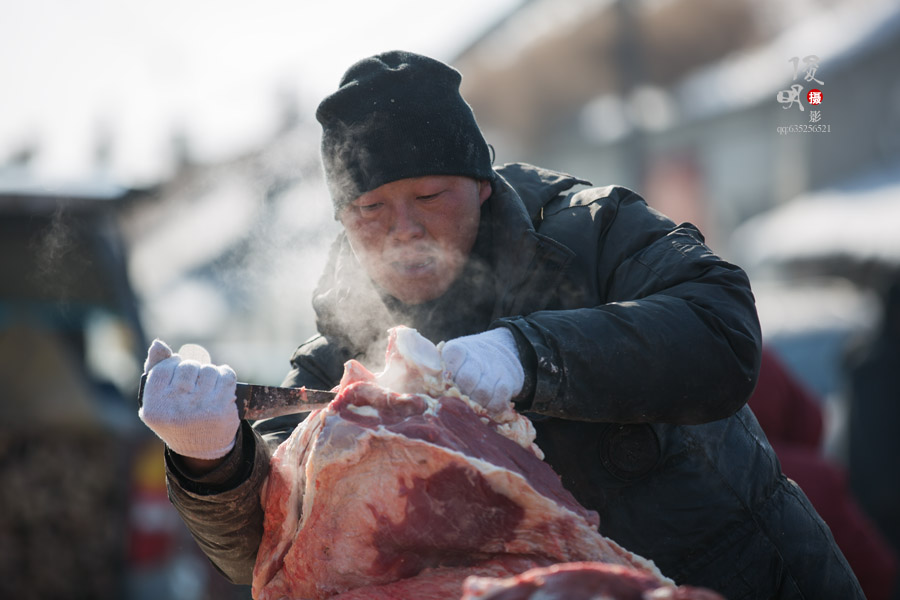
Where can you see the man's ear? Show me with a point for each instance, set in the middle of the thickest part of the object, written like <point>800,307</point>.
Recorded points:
<point>484,190</point>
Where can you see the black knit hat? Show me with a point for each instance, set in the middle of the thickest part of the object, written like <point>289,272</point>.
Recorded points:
<point>398,115</point>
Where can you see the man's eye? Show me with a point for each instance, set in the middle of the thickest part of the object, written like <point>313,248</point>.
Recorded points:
<point>367,208</point>
<point>427,197</point>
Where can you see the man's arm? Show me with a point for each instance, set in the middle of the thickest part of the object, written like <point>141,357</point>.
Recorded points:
<point>190,405</point>
<point>219,499</point>
<point>676,338</point>
<point>221,506</point>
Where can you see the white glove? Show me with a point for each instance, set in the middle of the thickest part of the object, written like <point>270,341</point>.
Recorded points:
<point>188,405</point>
<point>486,367</point>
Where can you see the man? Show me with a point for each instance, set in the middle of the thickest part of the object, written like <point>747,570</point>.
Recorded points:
<point>631,346</point>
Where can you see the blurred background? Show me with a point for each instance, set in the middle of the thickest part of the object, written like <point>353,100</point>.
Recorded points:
<point>160,177</point>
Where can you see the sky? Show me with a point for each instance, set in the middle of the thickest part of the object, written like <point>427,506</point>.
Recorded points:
<point>133,72</point>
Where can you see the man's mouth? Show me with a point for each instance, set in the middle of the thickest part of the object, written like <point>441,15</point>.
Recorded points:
<point>412,267</point>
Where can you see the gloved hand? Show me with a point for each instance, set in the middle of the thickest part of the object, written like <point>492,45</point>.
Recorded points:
<point>188,405</point>
<point>486,367</point>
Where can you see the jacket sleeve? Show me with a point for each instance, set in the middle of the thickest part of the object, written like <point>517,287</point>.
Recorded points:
<point>222,508</point>
<point>674,338</point>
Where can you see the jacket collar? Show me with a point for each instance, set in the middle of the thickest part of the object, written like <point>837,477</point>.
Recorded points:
<point>528,265</point>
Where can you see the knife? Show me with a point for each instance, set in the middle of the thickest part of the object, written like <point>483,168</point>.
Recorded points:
<point>259,401</point>
<point>264,402</point>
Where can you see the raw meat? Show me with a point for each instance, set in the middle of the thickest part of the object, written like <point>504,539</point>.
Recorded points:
<point>580,581</point>
<point>414,491</point>
<point>439,583</point>
<point>413,365</point>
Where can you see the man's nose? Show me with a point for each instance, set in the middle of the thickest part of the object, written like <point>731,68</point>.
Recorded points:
<point>406,224</point>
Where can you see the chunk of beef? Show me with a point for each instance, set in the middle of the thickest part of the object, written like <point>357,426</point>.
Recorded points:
<point>414,491</point>
<point>580,581</point>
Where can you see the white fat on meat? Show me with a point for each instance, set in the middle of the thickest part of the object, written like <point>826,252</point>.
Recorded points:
<point>413,364</point>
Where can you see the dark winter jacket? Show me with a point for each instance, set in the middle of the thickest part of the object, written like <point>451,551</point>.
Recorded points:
<point>641,348</point>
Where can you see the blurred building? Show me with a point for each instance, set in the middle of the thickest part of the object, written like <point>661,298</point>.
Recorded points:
<point>678,99</point>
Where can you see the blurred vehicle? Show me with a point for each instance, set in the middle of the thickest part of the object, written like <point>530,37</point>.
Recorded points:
<point>84,506</point>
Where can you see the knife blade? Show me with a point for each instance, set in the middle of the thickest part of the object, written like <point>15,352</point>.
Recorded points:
<point>264,402</point>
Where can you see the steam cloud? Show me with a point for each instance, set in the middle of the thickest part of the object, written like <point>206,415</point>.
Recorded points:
<point>59,259</point>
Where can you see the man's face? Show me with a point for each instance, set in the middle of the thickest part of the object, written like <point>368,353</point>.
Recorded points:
<point>412,236</point>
